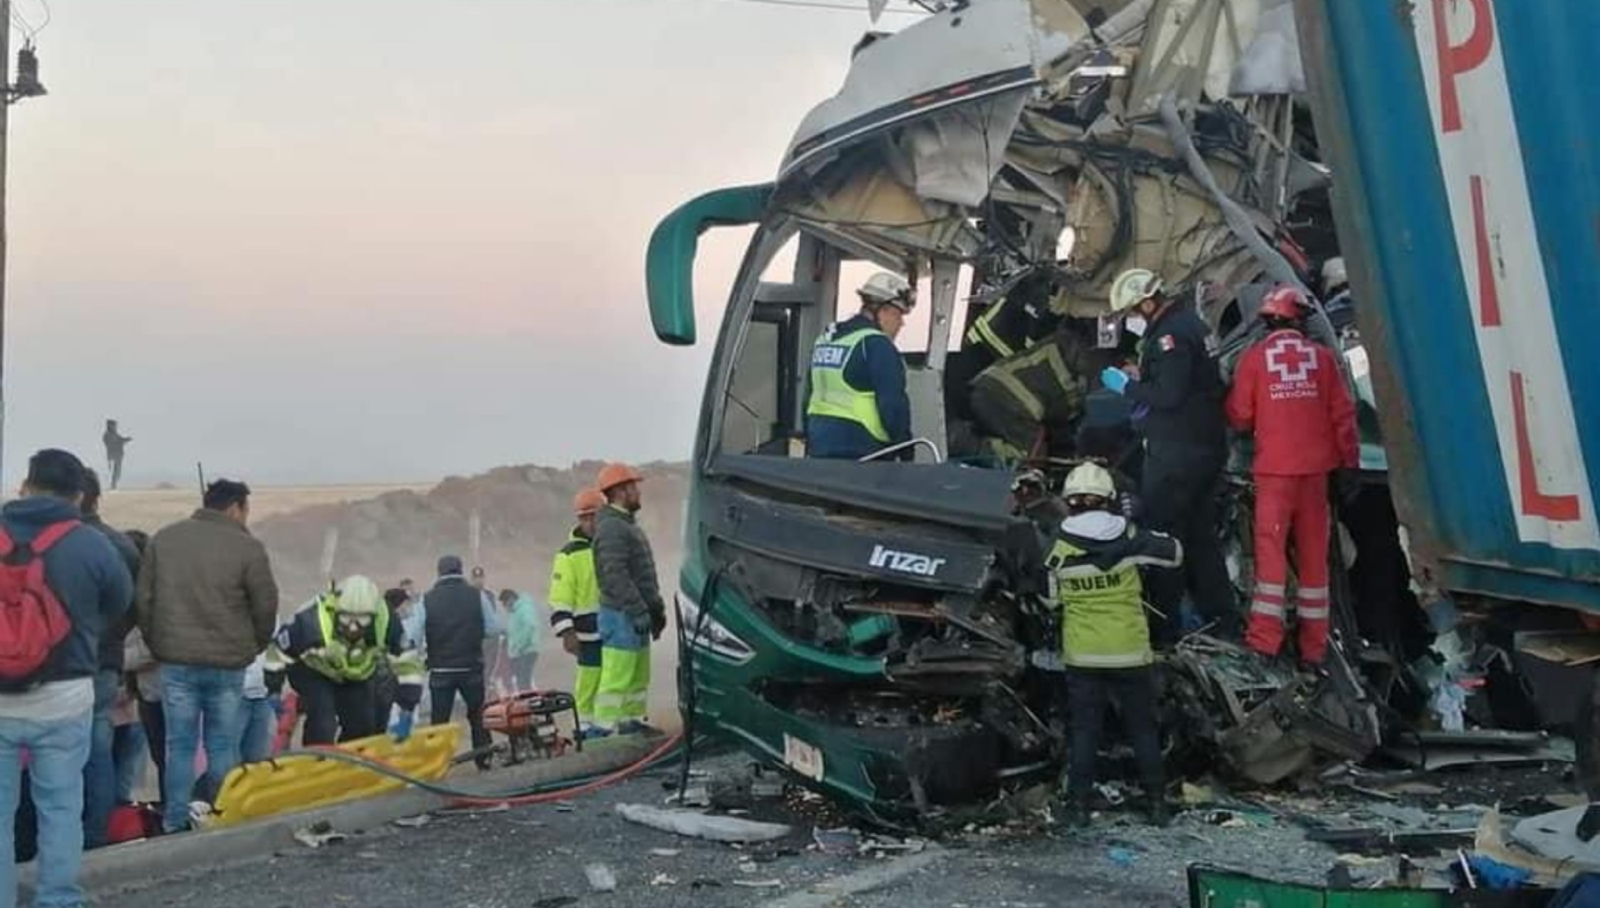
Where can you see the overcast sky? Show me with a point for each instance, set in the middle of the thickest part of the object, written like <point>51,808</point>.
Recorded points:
<point>313,241</point>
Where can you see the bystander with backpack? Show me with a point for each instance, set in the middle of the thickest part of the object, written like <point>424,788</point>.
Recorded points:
<point>61,586</point>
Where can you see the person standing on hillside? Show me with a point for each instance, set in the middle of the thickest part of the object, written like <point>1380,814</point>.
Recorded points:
<point>451,625</point>
<point>207,605</point>
<point>632,612</point>
<point>64,585</point>
<point>116,445</point>
<point>100,773</point>
<point>575,606</point>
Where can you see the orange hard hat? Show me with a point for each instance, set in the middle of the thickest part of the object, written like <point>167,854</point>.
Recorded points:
<point>587,502</point>
<point>616,474</point>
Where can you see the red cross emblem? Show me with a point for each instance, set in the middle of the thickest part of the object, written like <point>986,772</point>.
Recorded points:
<point>1291,359</point>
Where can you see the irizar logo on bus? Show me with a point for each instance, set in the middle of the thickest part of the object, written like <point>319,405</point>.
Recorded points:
<point>905,562</point>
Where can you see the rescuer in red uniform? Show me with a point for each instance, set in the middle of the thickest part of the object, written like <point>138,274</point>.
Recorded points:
<point>1288,392</point>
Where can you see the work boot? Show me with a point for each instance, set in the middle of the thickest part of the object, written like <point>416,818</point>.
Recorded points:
<point>1157,811</point>
<point>1077,815</point>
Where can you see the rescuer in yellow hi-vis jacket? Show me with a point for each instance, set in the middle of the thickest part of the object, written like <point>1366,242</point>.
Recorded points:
<point>575,606</point>
<point>1105,639</point>
<point>336,643</point>
<point>857,403</point>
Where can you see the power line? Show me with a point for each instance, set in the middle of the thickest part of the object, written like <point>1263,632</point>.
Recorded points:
<point>21,23</point>
<point>821,4</point>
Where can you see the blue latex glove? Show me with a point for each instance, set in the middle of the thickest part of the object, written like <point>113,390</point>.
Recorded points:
<point>399,723</point>
<point>1115,380</point>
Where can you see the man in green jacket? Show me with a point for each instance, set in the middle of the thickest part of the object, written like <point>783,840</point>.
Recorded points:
<point>632,612</point>
<point>522,637</point>
<point>1105,639</point>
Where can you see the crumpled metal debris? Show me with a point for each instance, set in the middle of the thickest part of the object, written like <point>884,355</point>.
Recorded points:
<point>319,834</point>
<point>1263,719</point>
<point>702,826</point>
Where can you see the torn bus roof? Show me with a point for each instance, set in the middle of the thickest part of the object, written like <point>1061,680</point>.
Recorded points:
<point>1007,133</point>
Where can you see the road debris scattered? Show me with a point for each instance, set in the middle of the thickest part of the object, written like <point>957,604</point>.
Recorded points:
<point>600,877</point>
<point>319,834</point>
<point>702,825</point>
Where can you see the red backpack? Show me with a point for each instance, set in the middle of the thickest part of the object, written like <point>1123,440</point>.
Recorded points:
<point>32,620</point>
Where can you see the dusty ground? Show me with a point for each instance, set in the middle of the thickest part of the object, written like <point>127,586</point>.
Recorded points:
<point>151,509</point>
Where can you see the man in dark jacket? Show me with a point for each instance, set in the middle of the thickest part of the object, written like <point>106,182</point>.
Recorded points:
<point>450,626</point>
<point>50,712</point>
<point>100,773</point>
<point>632,612</point>
<point>207,604</point>
<point>1186,439</point>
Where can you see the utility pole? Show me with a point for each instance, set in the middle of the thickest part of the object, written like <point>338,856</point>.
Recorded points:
<point>26,86</point>
<point>5,134</point>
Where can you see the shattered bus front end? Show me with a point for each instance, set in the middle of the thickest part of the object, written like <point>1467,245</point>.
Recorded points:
<point>867,639</point>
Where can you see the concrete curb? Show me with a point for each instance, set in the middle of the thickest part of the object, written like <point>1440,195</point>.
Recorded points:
<point>122,866</point>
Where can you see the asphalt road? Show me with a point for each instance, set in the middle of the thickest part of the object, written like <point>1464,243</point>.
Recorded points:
<point>534,857</point>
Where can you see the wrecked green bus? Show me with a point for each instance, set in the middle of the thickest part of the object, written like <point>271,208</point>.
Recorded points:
<point>877,628</point>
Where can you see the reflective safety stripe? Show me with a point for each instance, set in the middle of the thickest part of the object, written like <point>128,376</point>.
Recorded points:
<point>983,333</point>
<point>831,395</point>
<point>1313,594</point>
<point>1269,609</point>
<point>1008,373</point>
<point>1314,613</point>
<point>1123,660</point>
<point>1270,589</point>
<point>338,660</point>
<point>624,686</point>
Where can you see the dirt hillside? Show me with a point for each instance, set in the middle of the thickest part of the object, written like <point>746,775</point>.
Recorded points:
<point>524,516</point>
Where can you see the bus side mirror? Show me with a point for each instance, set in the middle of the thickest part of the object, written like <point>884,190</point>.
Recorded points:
<point>669,263</point>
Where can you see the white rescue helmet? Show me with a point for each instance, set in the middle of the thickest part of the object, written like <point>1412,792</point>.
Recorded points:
<point>1333,274</point>
<point>1133,287</point>
<point>1090,479</point>
<point>887,288</point>
<point>358,595</point>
